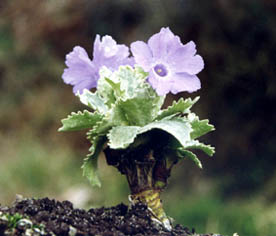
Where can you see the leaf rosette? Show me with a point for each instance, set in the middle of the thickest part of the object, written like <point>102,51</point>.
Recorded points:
<point>127,114</point>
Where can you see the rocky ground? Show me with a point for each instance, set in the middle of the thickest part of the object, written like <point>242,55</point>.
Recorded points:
<point>51,217</point>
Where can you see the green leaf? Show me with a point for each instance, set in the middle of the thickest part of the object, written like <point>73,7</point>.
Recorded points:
<point>185,153</point>
<point>178,128</point>
<point>117,92</point>
<point>122,84</point>
<point>93,100</point>
<point>131,99</point>
<point>121,136</point>
<point>138,111</point>
<point>127,84</point>
<point>119,85</point>
<point>200,127</point>
<point>133,81</point>
<point>117,115</point>
<point>100,129</point>
<point>180,107</point>
<point>80,120</point>
<point>104,89</point>
<point>195,144</point>
<point>90,165</point>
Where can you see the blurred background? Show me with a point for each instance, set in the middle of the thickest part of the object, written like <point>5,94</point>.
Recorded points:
<point>235,191</point>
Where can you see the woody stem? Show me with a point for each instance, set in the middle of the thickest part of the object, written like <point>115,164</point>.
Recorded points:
<point>147,177</point>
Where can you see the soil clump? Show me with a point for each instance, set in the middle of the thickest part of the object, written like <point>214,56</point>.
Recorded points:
<point>51,217</point>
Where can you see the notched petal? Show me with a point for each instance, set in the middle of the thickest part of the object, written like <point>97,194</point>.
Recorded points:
<point>80,72</point>
<point>184,60</point>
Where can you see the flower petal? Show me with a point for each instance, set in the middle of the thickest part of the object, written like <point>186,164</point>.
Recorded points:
<point>84,84</point>
<point>123,51</point>
<point>97,47</point>
<point>142,54</point>
<point>192,65</point>
<point>172,66</point>
<point>190,48</point>
<point>80,69</point>
<point>162,86</point>
<point>77,57</point>
<point>185,82</point>
<point>185,60</point>
<point>83,73</point>
<point>108,53</point>
<point>163,42</point>
<point>109,46</point>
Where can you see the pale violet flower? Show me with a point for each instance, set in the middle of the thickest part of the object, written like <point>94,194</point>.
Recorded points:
<point>83,73</point>
<point>172,66</point>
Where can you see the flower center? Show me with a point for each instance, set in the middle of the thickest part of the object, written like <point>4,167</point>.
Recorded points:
<point>161,70</point>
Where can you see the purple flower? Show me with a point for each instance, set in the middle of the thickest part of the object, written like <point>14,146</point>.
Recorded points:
<point>83,73</point>
<point>172,66</point>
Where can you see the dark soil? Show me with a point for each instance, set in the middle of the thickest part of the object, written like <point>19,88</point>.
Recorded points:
<point>60,218</point>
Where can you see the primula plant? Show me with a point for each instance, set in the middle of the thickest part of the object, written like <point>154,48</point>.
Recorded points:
<point>125,118</point>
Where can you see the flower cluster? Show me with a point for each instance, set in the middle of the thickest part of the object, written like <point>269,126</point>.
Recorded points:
<point>171,65</point>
